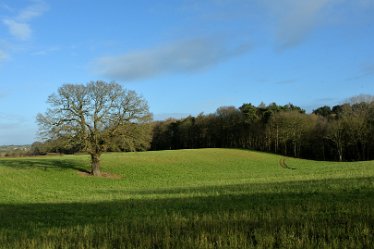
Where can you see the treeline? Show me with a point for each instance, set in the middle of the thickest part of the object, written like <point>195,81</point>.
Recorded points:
<point>14,150</point>
<point>341,133</point>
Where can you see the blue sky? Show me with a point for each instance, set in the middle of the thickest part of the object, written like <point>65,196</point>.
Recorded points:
<point>184,56</point>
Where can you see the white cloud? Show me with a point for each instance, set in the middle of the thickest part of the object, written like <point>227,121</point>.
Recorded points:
<point>19,26</point>
<point>19,30</point>
<point>178,57</point>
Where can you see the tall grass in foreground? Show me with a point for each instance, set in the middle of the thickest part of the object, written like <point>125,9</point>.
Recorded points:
<point>187,199</point>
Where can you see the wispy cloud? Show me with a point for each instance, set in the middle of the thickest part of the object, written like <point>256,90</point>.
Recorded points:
<point>292,21</point>
<point>19,25</point>
<point>179,57</point>
<point>296,19</point>
<point>32,11</point>
<point>19,30</point>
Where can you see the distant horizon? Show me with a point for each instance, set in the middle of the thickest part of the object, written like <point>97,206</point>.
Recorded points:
<point>184,57</point>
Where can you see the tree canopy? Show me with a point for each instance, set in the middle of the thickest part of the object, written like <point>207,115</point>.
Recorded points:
<point>343,132</point>
<point>93,116</point>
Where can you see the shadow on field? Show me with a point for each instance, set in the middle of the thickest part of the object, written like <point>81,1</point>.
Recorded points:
<point>299,187</point>
<point>264,220</point>
<point>43,164</point>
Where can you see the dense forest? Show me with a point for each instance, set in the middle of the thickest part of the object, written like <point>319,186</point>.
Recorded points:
<point>340,133</point>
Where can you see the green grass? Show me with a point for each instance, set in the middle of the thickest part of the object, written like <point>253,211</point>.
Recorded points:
<point>208,198</point>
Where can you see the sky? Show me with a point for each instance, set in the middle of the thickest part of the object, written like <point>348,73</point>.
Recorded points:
<point>184,57</point>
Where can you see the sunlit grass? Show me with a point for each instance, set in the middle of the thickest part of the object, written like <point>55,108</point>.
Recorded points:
<point>208,198</point>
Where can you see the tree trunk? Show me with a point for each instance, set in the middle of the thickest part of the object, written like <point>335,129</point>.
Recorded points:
<point>340,154</point>
<point>95,164</point>
<point>277,141</point>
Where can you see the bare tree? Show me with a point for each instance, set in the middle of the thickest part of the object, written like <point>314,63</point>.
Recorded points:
<point>289,127</point>
<point>92,115</point>
<point>335,133</point>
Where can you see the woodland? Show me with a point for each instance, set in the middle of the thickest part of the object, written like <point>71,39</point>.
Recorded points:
<point>343,132</point>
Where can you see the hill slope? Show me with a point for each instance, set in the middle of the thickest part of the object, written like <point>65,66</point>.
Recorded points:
<point>208,198</point>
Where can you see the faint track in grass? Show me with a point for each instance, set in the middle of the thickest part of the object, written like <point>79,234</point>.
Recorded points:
<point>283,164</point>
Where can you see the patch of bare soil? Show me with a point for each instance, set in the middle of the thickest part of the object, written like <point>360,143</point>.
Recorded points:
<point>103,175</point>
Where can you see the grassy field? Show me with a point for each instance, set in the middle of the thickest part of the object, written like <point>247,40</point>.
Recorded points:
<point>208,198</point>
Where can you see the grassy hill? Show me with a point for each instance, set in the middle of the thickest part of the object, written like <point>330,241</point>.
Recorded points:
<point>208,198</point>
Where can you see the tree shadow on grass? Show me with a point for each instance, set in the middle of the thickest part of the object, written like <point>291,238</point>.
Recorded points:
<point>43,164</point>
<point>304,187</point>
<point>249,220</point>
<point>263,220</point>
